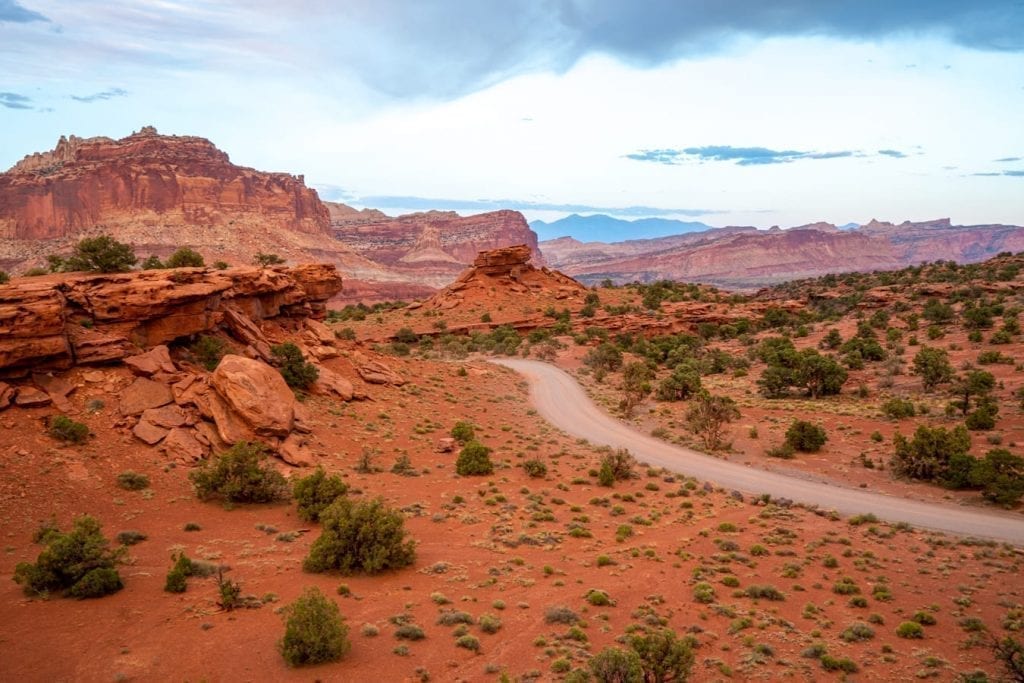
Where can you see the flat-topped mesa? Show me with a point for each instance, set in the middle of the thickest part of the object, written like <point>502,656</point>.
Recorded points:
<point>147,179</point>
<point>58,321</point>
<point>503,261</point>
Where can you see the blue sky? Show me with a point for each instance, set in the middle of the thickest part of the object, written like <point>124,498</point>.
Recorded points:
<point>731,112</point>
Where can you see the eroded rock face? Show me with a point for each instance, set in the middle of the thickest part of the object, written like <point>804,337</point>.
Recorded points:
<point>57,321</point>
<point>167,178</point>
<point>745,258</point>
<point>423,252</point>
<point>256,393</point>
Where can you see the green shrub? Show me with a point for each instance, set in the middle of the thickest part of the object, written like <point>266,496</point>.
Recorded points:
<point>208,351</point>
<point>535,468</point>
<point>409,632</point>
<point>927,456</point>
<point>315,492</point>
<point>177,576</point>
<point>63,428</point>
<point>663,656</point>
<point>314,631</point>
<point>132,481</point>
<point>463,432</point>
<point>615,665</point>
<point>185,258</point>
<point>784,451</point>
<point>846,586</point>
<point>845,664</point>
<point>151,262</point>
<point>101,254</point>
<point>362,536</point>
<point>4,277</point>
<point>1001,476</point>
<point>857,632</point>
<point>77,564</point>
<point>474,459</point>
<point>261,259</point>
<point>924,618</point>
<point>131,537</point>
<point>468,642</point>
<point>704,593</point>
<point>559,614</point>
<point>489,623</point>
<point>910,629</point>
<point>297,373</point>
<point>765,593</point>
<point>898,408</point>
<point>806,437</point>
<point>241,474</point>
<point>598,598</point>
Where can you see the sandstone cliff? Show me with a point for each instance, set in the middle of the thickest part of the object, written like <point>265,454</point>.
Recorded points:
<point>428,250</point>
<point>157,193</point>
<point>57,321</point>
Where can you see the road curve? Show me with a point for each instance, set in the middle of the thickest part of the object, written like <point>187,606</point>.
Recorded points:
<point>563,403</point>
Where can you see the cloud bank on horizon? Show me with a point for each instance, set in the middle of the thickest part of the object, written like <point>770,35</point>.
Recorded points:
<point>400,98</point>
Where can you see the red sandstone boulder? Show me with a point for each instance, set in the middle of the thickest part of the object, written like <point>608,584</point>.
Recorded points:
<point>30,397</point>
<point>256,393</point>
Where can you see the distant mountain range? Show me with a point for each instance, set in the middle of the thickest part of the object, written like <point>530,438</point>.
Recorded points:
<point>746,258</point>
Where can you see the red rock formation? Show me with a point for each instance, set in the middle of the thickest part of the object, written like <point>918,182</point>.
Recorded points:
<point>146,176</point>
<point>426,251</point>
<point>744,258</point>
<point>505,272</point>
<point>62,320</point>
<point>158,193</point>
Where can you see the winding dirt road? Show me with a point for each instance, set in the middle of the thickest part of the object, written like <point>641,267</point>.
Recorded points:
<point>563,403</point>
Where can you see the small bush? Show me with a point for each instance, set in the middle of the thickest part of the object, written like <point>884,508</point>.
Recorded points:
<point>846,586</point>
<point>185,258</point>
<point>261,259</point>
<point>77,564</point>
<point>63,428</point>
<point>297,373</point>
<point>489,623</point>
<point>315,492</point>
<point>910,629</point>
<point>474,459</point>
<point>765,593</point>
<point>132,481</point>
<point>314,631</point>
<point>101,254</point>
<point>362,536</point>
<point>599,598</point>
<point>560,615</point>
<point>454,617</point>
<point>806,437</point>
<point>898,408</point>
<point>240,475</point>
<point>463,432</point>
<point>857,632</point>
<point>4,277</point>
<point>535,468</point>
<point>409,632</point>
<point>177,576</point>
<point>131,537</point>
<point>208,351</point>
<point>468,642</point>
<point>704,593</point>
<point>844,664</point>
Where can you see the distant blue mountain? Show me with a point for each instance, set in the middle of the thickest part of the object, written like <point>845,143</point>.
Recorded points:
<point>602,228</point>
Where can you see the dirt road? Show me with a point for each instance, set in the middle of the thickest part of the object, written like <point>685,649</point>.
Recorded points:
<point>563,403</point>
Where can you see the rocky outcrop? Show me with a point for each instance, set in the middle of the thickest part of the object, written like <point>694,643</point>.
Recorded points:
<point>497,273</point>
<point>170,179</point>
<point>426,251</point>
<point>57,321</point>
<point>745,258</point>
<point>158,193</point>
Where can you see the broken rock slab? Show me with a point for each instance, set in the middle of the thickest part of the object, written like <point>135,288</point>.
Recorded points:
<point>157,359</point>
<point>182,446</point>
<point>143,394</point>
<point>30,397</point>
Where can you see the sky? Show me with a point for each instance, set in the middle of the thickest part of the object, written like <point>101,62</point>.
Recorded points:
<point>733,112</point>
